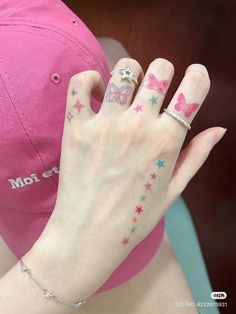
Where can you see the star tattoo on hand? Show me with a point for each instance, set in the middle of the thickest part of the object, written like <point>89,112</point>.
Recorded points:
<point>143,198</point>
<point>153,176</point>
<point>69,116</point>
<point>138,108</point>
<point>153,100</point>
<point>79,106</point>
<point>125,241</point>
<point>73,92</point>
<point>139,209</point>
<point>148,186</point>
<point>160,163</point>
<point>133,229</point>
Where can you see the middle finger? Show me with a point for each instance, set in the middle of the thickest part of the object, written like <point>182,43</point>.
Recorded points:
<point>153,88</point>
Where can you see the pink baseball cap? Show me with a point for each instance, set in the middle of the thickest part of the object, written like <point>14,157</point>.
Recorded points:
<point>42,45</point>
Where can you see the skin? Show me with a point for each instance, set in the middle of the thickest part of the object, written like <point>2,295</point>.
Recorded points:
<point>82,230</point>
<point>162,277</point>
<point>155,289</point>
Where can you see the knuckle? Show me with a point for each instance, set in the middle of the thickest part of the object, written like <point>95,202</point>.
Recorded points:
<point>77,79</point>
<point>92,75</point>
<point>131,130</point>
<point>121,129</point>
<point>84,77</point>
<point>124,129</point>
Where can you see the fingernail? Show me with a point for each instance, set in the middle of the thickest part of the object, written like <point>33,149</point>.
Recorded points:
<point>197,67</point>
<point>221,133</point>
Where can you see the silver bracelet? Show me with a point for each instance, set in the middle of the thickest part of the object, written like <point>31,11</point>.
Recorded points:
<point>48,294</point>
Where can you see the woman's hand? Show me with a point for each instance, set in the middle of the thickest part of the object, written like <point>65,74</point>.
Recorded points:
<point>121,169</point>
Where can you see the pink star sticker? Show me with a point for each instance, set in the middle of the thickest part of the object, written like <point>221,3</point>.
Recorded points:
<point>78,105</point>
<point>139,209</point>
<point>138,108</point>
<point>148,186</point>
<point>153,175</point>
<point>125,241</point>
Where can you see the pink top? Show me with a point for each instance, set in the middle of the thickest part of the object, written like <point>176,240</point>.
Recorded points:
<point>42,45</point>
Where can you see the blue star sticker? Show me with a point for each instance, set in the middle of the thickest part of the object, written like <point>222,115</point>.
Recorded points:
<point>153,100</point>
<point>160,163</point>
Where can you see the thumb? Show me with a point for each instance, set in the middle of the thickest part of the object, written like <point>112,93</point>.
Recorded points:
<point>192,158</point>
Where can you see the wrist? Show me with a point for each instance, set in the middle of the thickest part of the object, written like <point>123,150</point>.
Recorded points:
<point>55,268</point>
<point>83,258</point>
<point>73,268</point>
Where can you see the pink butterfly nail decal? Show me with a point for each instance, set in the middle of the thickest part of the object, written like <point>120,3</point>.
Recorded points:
<point>182,106</point>
<point>155,84</point>
<point>118,94</point>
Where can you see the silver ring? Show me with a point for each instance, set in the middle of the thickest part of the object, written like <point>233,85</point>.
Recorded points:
<point>175,116</point>
<point>127,74</point>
